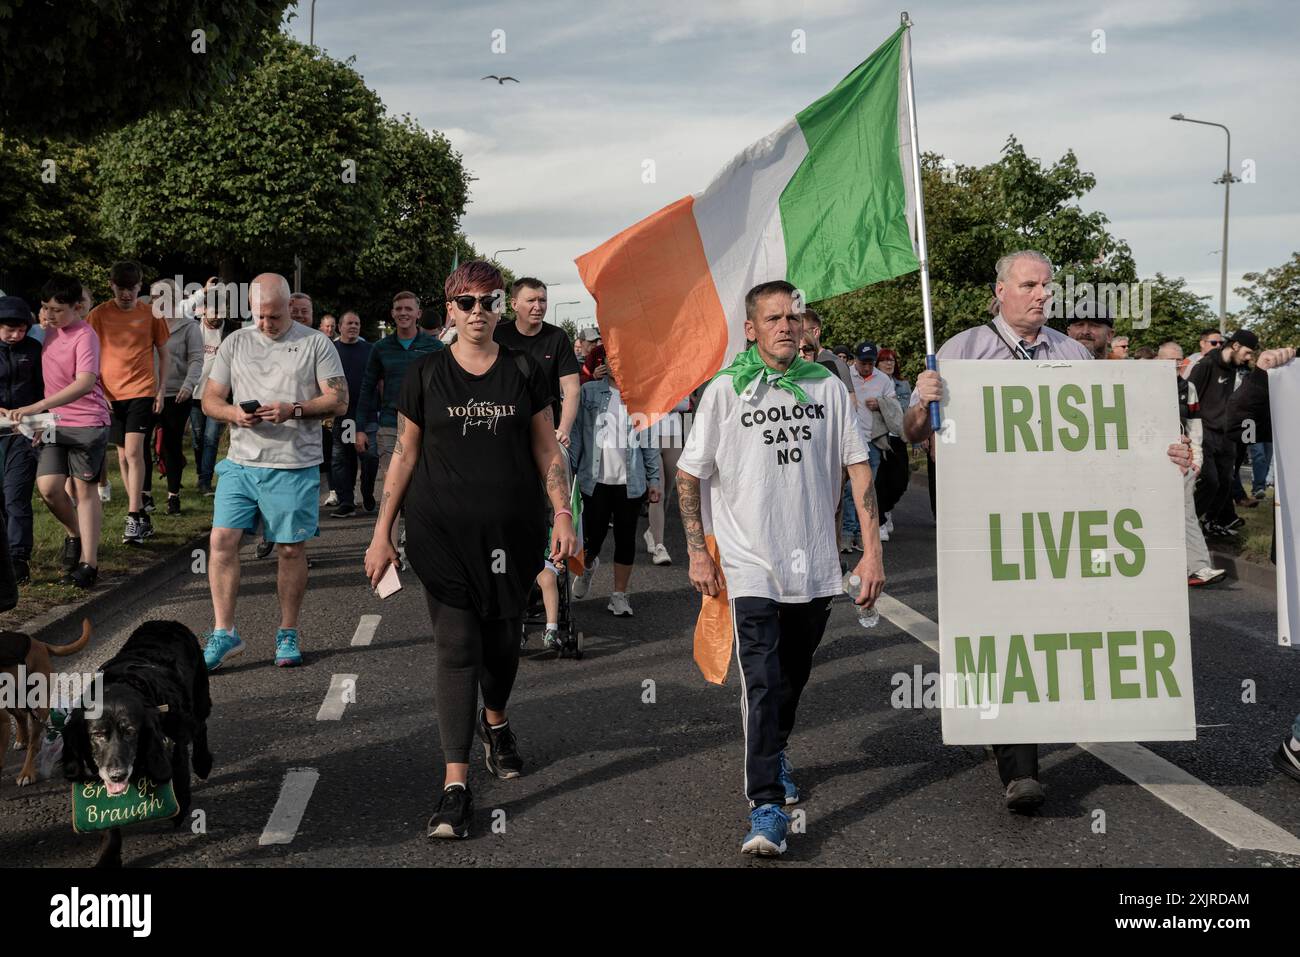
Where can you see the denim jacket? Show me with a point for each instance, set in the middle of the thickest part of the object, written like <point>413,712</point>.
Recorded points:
<point>643,464</point>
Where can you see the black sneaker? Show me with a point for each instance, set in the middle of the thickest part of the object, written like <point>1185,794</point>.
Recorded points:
<point>22,572</point>
<point>71,556</point>
<point>344,511</point>
<point>1287,760</point>
<point>146,525</point>
<point>455,808</point>
<point>1235,523</point>
<point>500,748</point>
<point>146,502</point>
<point>368,504</point>
<point>83,576</point>
<point>173,504</point>
<point>264,548</point>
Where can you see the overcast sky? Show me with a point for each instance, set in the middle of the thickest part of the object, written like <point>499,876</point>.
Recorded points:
<point>558,157</point>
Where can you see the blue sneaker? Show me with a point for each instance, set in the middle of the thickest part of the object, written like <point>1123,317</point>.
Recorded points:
<point>287,654</point>
<point>787,781</point>
<point>767,829</point>
<point>221,645</point>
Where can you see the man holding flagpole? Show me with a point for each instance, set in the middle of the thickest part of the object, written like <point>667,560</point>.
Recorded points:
<point>767,448</point>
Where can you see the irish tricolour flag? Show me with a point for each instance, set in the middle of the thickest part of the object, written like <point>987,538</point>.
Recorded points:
<point>826,202</point>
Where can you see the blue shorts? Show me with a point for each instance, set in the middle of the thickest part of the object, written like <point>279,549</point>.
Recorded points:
<point>288,501</point>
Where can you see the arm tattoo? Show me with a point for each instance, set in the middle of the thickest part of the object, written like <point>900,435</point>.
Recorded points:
<point>339,386</point>
<point>688,503</point>
<point>398,447</point>
<point>557,480</point>
<point>869,505</point>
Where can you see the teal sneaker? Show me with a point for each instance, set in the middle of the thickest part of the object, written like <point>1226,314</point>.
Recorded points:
<point>221,646</point>
<point>787,781</point>
<point>287,654</point>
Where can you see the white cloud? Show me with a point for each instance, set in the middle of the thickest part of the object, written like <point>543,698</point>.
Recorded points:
<point>688,84</point>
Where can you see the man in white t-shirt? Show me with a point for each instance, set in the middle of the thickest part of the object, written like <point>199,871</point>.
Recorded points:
<point>767,445</point>
<point>283,378</point>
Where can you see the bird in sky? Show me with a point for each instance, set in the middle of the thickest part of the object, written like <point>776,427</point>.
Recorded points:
<point>500,79</point>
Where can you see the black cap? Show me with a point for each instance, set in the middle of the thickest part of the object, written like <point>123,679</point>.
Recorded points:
<point>15,307</point>
<point>843,350</point>
<point>865,352</point>
<point>1245,337</point>
<point>1091,309</point>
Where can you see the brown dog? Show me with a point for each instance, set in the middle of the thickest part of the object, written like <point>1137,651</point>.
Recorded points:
<point>18,651</point>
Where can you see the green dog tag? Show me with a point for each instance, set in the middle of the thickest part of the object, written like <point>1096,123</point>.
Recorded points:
<point>94,809</point>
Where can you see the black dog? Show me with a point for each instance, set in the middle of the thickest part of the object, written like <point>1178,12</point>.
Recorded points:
<point>155,695</point>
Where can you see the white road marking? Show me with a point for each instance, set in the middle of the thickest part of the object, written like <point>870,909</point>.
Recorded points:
<point>1211,809</point>
<point>287,814</point>
<point>343,689</point>
<point>366,629</point>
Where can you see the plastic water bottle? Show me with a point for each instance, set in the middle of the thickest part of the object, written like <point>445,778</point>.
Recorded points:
<point>867,617</point>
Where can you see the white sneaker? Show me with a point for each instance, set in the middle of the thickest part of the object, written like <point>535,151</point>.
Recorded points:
<point>649,542</point>
<point>105,493</point>
<point>582,584</point>
<point>1206,576</point>
<point>889,522</point>
<point>884,533</point>
<point>661,556</point>
<point>619,606</point>
<point>332,498</point>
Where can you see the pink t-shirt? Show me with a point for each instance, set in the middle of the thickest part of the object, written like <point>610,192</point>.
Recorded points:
<point>68,351</point>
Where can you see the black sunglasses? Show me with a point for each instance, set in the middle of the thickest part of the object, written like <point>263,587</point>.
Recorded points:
<point>488,302</point>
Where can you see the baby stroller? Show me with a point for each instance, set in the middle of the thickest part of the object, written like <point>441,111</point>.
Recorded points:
<point>569,639</point>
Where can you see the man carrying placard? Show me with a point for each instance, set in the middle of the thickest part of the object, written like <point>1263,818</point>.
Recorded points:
<point>1017,331</point>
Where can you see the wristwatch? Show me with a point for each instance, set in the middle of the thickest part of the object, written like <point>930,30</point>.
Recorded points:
<point>297,410</point>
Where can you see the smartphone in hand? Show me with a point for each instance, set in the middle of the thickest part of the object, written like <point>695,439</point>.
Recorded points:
<point>251,406</point>
<point>389,584</point>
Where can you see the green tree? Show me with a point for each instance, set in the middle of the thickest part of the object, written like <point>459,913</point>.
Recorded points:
<point>1273,304</point>
<point>48,205</point>
<point>80,66</point>
<point>425,188</point>
<point>974,215</point>
<point>1177,313</point>
<point>288,163</point>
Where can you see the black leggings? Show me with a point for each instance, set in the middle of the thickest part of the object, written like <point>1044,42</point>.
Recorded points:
<point>472,654</point>
<point>172,421</point>
<point>604,501</point>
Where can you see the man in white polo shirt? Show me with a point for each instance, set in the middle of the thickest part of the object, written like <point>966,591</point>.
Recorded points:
<point>767,446</point>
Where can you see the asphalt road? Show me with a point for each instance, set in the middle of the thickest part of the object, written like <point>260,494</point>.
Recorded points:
<point>612,779</point>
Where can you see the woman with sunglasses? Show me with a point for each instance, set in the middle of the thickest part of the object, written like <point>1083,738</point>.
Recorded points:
<point>474,462</point>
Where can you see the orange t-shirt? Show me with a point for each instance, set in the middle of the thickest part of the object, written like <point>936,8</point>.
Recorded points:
<point>126,341</point>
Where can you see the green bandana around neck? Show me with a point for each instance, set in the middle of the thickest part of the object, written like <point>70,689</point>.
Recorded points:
<point>748,366</point>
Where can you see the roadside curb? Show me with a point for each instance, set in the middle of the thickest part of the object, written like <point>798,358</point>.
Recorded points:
<point>1252,573</point>
<point>52,626</point>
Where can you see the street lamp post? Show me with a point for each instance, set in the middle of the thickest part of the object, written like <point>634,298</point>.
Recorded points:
<point>311,33</point>
<point>556,309</point>
<point>517,249</point>
<point>1227,179</point>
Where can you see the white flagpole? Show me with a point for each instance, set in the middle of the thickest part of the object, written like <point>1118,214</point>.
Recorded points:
<point>922,252</point>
